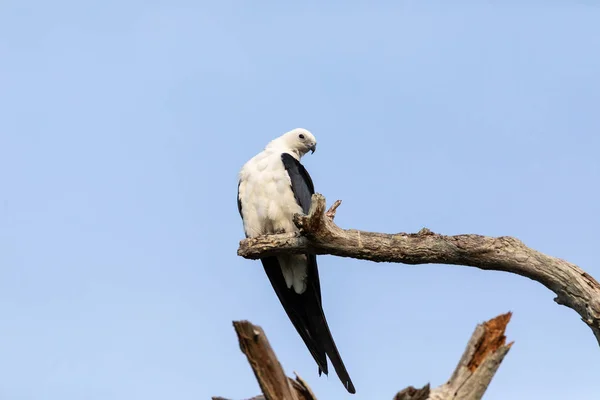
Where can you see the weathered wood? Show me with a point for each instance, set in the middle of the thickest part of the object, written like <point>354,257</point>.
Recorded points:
<point>478,365</point>
<point>320,235</point>
<point>271,378</point>
<point>261,397</point>
<point>480,361</point>
<point>273,382</point>
<point>301,388</point>
<point>411,393</point>
<point>303,391</point>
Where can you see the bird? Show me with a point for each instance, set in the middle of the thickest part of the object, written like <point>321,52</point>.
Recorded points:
<point>273,186</point>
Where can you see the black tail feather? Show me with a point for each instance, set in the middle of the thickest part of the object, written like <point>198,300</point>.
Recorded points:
<point>306,313</point>
<point>295,309</point>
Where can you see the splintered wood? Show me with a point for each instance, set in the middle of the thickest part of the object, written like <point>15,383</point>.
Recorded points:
<point>478,365</point>
<point>273,382</point>
<point>480,361</point>
<point>487,347</point>
<point>270,376</point>
<point>492,340</point>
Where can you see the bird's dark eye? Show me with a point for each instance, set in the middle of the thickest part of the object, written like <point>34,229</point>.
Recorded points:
<point>301,136</point>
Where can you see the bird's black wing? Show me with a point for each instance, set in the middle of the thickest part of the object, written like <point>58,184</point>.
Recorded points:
<point>239,201</point>
<point>303,189</point>
<point>305,310</point>
<point>291,304</point>
<point>302,184</point>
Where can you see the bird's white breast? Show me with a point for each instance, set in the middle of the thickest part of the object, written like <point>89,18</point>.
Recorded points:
<point>268,207</point>
<point>268,203</point>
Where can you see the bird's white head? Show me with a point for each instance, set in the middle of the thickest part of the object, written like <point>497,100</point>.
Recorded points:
<point>297,142</point>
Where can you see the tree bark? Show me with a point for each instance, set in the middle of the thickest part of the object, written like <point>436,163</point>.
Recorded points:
<point>477,366</point>
<point>574,287</point>
<point>480,361</point>
<point>273,382</point>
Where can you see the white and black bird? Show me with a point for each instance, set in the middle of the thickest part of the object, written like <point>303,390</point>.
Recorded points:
<point>273,186</point>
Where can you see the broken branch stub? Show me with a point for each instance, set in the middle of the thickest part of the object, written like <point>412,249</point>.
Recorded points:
<point>268,371</point>
<point>484,352</point>
<point>477,366</point>
<point>271,378</point>
<point>574,287</point>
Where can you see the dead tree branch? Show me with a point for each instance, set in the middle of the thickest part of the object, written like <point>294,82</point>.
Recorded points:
<point>320,235</point>
<point>480,361</point>
<point>477,366</point>
<point>273,382</point>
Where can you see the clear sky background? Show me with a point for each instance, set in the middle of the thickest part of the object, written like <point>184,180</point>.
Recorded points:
<point>123,125</point>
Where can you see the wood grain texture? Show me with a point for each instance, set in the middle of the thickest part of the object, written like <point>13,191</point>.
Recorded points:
<point>484,352</point>
<point>574,287</point>
<point>268,371</point>
<point>478,365</point>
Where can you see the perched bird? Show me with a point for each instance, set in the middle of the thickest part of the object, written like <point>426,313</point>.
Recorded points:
<point>273,186</point>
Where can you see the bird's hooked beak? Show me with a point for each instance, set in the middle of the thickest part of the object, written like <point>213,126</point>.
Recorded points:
<point>313,148</point>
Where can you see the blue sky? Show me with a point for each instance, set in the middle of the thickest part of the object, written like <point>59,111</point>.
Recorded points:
<point>123,126</point>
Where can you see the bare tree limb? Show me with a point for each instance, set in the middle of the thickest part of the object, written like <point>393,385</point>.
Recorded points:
<point>270,376</point>
<point>411,393</point>
<point>574,287</point>
<point>273,382</point>
<point>303,391</point>
<point>480,361</point>
<point>477,366</point>
<point>332,210</point>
